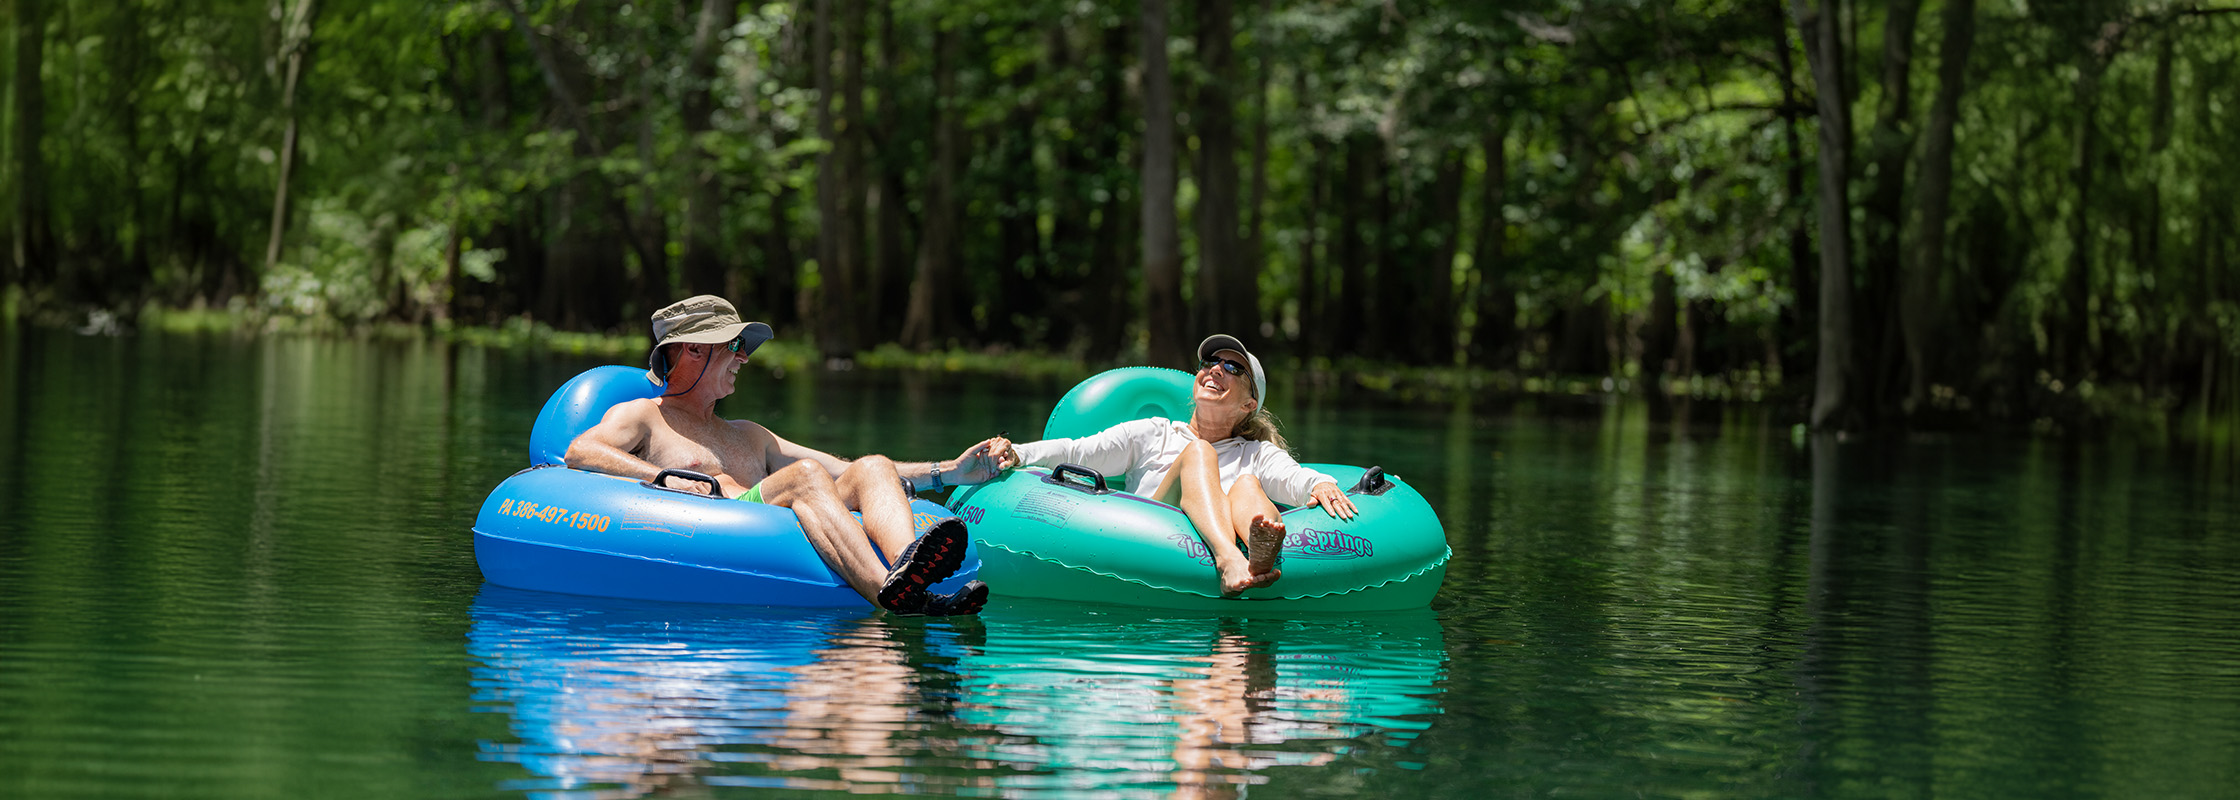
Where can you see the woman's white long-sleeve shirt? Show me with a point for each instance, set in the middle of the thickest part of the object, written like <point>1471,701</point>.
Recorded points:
<point>1146,449</point>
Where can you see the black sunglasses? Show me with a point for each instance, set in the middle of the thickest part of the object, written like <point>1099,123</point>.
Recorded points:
<point>1227,366</point>
<point>737,343</point>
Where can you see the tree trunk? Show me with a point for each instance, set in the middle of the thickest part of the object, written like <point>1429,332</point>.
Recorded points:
<point>1348,316</point>
<point>454,241</point>
<point>1223,304</point>
<point>836,251</point>
<point>130,38</point>
<point>1933,200</point>
<point>1831,404</point>
<point>930,319</point>
<point>652,227</point>
<point>1661,334</point>
<point>857,305</point>
<point>28,227</point>
<point>1496,299</point>
<point>295,44</point>
<point>1021,279</point>
<point>490,106</point>
<point>1162,245</point>
<point>1108,305</point>
<point>2079,329</point>
<point>774,275</point>
<point>1799,317</point>
<point>386,280</point>
<point>703,222</point>
<point>1256,205</point>
<point>1313,314</point>
<point>780,276</point>
<point>891,221</point>
<point>1885,203</point>
<point>1435,328</point>
<point>1383,324</point>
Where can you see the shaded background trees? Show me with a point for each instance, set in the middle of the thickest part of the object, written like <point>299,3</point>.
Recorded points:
<point>1941,207</point>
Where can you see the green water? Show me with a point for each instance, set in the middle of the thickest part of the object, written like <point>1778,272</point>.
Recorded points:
<point>242,568</point>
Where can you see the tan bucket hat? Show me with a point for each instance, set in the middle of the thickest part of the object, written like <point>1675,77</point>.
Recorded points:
<point>700,319</point>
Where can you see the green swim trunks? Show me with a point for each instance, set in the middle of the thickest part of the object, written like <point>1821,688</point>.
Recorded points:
<point>753,495</point>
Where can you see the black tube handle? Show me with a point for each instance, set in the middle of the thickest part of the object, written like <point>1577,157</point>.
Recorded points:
<point>1057,476</point>
<point>714,489</point>
<point>1373,483</point>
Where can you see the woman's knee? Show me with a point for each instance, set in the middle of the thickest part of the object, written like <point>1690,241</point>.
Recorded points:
<point>1199,449</point>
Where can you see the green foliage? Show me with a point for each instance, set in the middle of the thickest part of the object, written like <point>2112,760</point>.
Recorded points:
<point>1650,213</point>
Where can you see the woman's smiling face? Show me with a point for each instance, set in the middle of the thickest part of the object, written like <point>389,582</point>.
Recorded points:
<point>1214,384</point>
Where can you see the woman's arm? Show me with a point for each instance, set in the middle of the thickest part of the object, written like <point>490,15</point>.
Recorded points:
<point>1292,484</point>
<point>1112,451</point>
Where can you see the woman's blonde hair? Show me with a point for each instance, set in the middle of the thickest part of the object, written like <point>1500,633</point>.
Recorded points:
<point>1260,426</point>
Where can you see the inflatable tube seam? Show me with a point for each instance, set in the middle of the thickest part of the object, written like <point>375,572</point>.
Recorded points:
<point>635,557</point>
<point>1442,560</point>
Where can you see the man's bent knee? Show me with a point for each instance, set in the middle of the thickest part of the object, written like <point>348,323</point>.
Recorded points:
<point>795,481</point>
<point>871,467</point>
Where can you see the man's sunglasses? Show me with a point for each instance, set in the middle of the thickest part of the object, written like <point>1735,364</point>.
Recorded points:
<point>737,343</point>
<point>1227,366</point>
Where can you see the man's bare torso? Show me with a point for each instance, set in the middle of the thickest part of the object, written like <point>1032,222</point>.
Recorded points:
<point>675,440</point>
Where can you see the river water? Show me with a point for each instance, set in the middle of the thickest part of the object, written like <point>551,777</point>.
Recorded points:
<point>242,568</point>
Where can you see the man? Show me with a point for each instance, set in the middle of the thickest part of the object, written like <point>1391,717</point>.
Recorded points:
<point>699,345</point>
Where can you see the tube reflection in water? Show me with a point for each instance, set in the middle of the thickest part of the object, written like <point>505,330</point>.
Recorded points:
<point>615,698</point>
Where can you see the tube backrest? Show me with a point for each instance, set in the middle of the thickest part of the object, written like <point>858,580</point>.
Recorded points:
<point>1115,396</point>
<point>579,404</point>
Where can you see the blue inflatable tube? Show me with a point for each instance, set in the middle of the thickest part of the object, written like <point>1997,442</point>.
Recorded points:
<point>556,529</point>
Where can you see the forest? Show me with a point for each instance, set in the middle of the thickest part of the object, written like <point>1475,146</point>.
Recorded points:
<point>1901,213</point>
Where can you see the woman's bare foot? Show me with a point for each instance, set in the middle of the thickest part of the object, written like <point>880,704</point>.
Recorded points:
<point>1263,551</point>
<point>1235,577</point>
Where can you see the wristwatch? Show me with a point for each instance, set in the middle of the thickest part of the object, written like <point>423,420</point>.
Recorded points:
<point>937,474</point>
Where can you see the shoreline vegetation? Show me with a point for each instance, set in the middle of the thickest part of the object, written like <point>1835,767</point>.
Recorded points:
<point>2085,410</point>
<point>1883,218</point>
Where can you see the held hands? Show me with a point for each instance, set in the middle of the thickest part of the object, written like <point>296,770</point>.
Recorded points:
<point>979,463</point>
<point>1334,501</point>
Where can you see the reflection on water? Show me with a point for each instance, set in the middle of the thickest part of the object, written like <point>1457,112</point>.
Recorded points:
<point>614,698</point>
<point>1118,700</point>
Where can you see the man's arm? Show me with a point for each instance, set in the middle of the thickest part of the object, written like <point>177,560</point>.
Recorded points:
<point>607,446</point>
<point>782,453</point>
<point>977,464</point>
<point>974,465</point>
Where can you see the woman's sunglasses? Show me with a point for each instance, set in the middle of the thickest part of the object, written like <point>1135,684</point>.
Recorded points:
<point>1227,366</point>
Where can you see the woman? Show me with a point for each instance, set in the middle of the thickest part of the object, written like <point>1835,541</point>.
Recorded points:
<point>1226,467</point>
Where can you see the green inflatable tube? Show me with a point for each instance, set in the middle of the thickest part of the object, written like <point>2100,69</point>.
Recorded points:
<point>1067,534</point>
